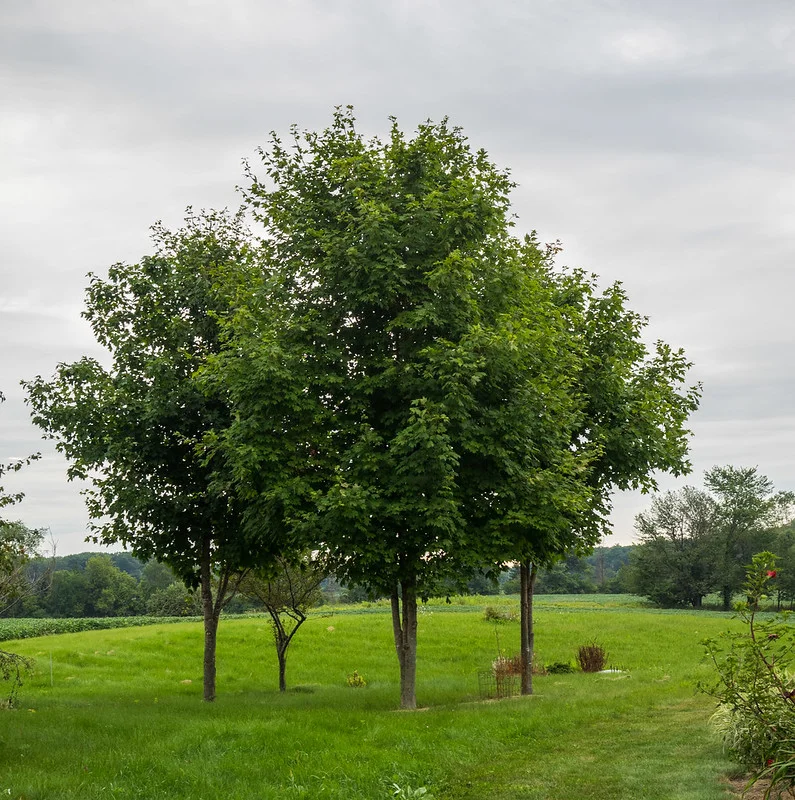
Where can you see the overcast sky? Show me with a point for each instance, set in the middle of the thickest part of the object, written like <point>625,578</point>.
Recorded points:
<point>655,140</point>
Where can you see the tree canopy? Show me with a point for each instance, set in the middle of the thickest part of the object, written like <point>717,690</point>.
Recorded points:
<point>386,375</point>
<point>452,401</point>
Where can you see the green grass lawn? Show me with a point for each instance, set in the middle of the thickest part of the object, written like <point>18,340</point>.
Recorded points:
<point>120,715</point>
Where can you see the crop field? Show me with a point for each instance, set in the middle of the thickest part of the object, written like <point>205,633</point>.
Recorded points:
<point>118,713</point>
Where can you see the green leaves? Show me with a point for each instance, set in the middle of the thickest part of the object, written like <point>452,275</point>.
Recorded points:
<point>694,542</point>
<point>6,498</point>
<point>132,428</point>
<point>386,374</point>
<point>754,685</point>
<point>447,398</point>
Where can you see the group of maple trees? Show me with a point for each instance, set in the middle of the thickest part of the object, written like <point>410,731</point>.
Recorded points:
<point>364,363</point>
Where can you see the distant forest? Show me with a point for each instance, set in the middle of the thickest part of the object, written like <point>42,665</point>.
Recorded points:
<point>118,584</point>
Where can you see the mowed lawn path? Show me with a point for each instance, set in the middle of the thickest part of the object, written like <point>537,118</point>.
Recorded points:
<point>120,712</point>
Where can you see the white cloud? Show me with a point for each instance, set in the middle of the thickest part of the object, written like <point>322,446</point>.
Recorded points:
<point>649,45</point>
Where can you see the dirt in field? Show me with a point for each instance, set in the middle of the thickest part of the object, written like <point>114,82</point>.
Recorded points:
<point>756,792</point>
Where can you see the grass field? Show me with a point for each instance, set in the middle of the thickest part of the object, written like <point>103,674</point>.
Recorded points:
<point>120,712</point>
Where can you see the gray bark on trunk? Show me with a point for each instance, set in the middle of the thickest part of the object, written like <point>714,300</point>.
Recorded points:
<point>282,656</point>
<point>527,575</point>
<point>404,627</point>
<point>210,622</point>
<point>211,610</point>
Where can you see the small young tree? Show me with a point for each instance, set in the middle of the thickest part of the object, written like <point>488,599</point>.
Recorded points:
<point>135,429</point>
<point>18,544</point>
<point>286,591</point>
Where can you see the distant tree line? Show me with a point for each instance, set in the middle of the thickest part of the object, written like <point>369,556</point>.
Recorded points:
<point>692,544</point>
<point>695,542</point>
<point>101,585</point>
<point>95,584</point>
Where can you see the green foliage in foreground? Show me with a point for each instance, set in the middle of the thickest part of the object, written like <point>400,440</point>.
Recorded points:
<point>122,715</point>
<point>755,686</point>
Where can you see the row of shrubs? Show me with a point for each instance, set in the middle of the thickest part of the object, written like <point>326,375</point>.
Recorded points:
<point>29,628</point>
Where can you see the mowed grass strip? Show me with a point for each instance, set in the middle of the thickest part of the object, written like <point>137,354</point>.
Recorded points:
<point>122,715</point>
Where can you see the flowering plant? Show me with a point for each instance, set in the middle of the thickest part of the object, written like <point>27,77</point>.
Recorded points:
<point>755,688</point>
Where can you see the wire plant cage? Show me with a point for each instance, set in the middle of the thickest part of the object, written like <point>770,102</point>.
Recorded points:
<point>502,680</point>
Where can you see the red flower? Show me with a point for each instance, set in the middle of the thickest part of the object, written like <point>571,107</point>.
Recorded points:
<point>769,762</point>
<point>771,573</point>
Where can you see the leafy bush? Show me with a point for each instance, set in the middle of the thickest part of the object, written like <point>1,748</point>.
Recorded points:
<point>745,736</point>
<point>560,668</point>
<point>174,600</point>
<point>591,657</point>
<point>356,681</point>
<point>492,614</point>
<point>755,688</point>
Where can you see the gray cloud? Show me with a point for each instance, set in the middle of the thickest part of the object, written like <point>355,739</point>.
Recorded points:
<point>653,139</point>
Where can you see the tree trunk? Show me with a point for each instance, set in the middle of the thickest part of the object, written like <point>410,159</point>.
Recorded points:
<point>404,627</point>
<point>282,654</point>
<point>727,598</point>
<point>527,578</point>
<point>211,615</point>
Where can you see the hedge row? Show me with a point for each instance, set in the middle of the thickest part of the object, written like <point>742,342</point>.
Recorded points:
<point>28,628</point>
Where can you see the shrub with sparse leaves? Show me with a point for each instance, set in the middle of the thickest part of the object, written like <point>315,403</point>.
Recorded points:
<point>591,657</point>
<point>12,668</point>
